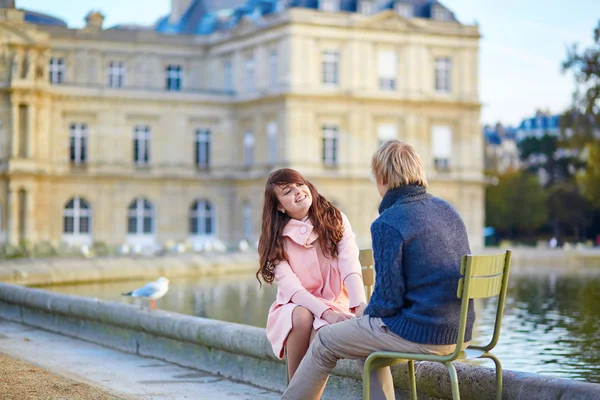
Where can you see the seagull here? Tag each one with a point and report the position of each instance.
(152, 290)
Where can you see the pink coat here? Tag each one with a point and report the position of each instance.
(309, 270)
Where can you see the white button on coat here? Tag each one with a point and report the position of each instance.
(303, 230)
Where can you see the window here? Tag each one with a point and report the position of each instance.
(57, 70)
(250, 74)
(280, 5)
(247, 215)
(328, 5)
(140, 217)
(272, 141)
(174, 75)
(443, 74)
(202, 218)
(77, 216)
(115, 74)
(78, 143)
(386, 132)
(248, 149)
(202, 148)
(330, 144)
(441, 140)
(228, 75)
(440, 14)
(273, 68)
(388, 68)
(330, 68)
(404, 9)
(366, 8)
(141, 145)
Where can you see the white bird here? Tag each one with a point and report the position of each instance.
(152, 290)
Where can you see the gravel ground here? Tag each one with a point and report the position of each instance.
(22, 381)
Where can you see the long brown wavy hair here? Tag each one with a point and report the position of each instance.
(324, 216)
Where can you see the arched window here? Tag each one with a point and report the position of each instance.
(140, 217)
(77, 217)
(202, 218)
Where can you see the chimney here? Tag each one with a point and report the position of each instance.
(178, 8)
(94, 20)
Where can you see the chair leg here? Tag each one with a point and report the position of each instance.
(453, 380)
(498, 374)
(367, 379)
(412, 380)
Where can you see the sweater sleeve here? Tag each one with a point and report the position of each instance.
(349, 265)
(388, 293)
(289, 288)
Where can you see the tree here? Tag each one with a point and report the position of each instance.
(569, 209)
(517, 204)
(590, 180)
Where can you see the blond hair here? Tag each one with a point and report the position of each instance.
(397, 163)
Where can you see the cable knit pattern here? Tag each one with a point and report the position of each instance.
(418, 243)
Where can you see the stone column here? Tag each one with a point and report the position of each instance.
(15, 127)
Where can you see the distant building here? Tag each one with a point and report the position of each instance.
(538, 126)
(147, 135)
(501, 150)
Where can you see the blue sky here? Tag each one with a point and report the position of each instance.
(523, 44)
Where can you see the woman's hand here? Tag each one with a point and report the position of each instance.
(359, 311)
(333, 316)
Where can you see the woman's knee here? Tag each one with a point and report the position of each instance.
(302, 319)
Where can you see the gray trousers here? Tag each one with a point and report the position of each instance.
(354, 339)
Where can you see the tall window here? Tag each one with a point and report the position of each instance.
(115, 73)
(202, 218)
(330, 145)
(202, 148)
(141, 145)
(441, 140)
(140, 217)
(388, 70)
(386, 132)
(78, 143)
(77, 217)
(247, 215)
(273, 68)
(250, 73)
(228, 75)
(443, 74)
(272, 141)
(331, 62)
(174, 75)
(248, 149)
(57, 70)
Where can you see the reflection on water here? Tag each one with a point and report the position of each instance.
(551, 321)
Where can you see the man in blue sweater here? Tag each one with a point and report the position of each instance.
(418, 242)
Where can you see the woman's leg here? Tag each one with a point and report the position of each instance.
(299, 338)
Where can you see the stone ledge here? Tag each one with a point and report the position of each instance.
(243, 353)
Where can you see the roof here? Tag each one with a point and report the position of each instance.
(37, 18)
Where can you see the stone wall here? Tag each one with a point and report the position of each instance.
(242, 352)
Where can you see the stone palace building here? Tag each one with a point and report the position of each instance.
(143, 135)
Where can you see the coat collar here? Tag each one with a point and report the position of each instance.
(402, 194)
(301, 232)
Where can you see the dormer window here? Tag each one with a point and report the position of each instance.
(439, 13)
(366, 7)
(280, 5)
(404, 9)
(328, 5)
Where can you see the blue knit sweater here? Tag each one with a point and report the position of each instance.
(418, 243)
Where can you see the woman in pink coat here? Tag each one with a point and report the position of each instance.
(307, 248)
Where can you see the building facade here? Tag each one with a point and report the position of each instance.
(145, 135)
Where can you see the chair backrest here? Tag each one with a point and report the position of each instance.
(483, 276)
(368, 272)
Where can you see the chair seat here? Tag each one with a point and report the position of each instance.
(387, 358)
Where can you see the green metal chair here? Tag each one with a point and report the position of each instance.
(483, 276)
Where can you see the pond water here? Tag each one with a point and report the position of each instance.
(551, 321)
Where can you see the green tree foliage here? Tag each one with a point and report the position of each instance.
(581, 122)
(517, 204)
(569, 209)
(590, 180)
